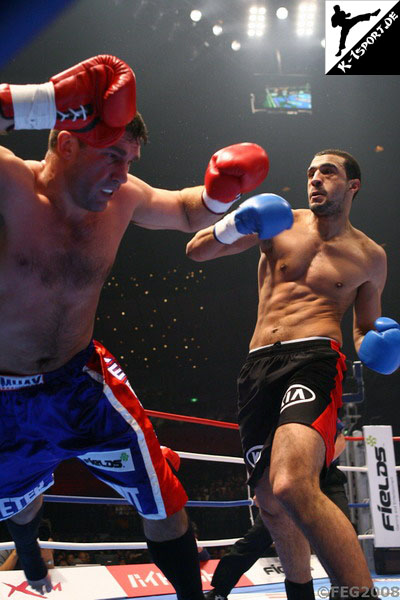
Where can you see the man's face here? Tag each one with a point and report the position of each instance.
(327, 185)
(98, 173)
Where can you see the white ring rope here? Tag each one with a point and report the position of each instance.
(212, 457)
(143, 545)
(240, 461)
(113, 545)
(132, 545)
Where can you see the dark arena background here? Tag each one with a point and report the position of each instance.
(179, 328)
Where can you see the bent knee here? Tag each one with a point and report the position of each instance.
(290, 489)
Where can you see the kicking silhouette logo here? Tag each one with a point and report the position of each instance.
(297, 394)
(352, 28)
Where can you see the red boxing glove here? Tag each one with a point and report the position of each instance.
(94, 99)
(233, 171)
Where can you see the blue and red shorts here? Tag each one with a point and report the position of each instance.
(86, 409)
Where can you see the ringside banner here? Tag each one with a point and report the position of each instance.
(131, 581)
(382, 479)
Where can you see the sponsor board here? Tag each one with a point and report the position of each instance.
(270, 570)
(383, 488)
(131, 581)
(70, 583)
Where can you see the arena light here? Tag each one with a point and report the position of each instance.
(282, 13)
(217, 30)
(196, 15)
(236, 45)
(257, 21)
(306, 19)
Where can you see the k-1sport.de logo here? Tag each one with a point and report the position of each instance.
(361, 37)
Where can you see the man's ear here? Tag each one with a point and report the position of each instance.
(67, 145)
(355, 184)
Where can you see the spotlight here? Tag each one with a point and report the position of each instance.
(217, 30)
(282, 13)
(256, 22)
(306, 19)
(236, 45)
(196, 15)
(323, 43)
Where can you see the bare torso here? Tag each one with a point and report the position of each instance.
(307, 283)
(51, 273)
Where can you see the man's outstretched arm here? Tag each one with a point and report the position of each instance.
(204, 246)
(261, 217)
(232, 171)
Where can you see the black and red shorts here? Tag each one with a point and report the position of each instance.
(288, 382)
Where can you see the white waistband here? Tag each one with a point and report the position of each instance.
(13, 382)
(307, 339)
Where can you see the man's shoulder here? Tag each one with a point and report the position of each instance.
(301, 213)
(370, 245)
(372, 250)
(14, 171)
(9, 160)
(302, 217)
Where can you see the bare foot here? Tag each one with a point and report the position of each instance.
(41, 585)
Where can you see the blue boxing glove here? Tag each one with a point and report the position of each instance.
(264, 214)
(380, 349)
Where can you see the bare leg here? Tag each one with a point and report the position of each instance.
(162, 530)
(298, 454)
(24, 532)
(173, 548)
(292, 547)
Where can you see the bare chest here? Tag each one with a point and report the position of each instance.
(44, 253)
(333, 269)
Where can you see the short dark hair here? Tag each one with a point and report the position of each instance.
(135, 129)
(351, 166)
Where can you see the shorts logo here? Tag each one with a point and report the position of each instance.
(15, 383)
(296, 394)
(117, 460)
(253, 455)
(10, 506)
(115, 370)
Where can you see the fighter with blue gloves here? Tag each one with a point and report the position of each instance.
(313, 266)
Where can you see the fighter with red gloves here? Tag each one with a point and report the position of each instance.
(62, 220)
